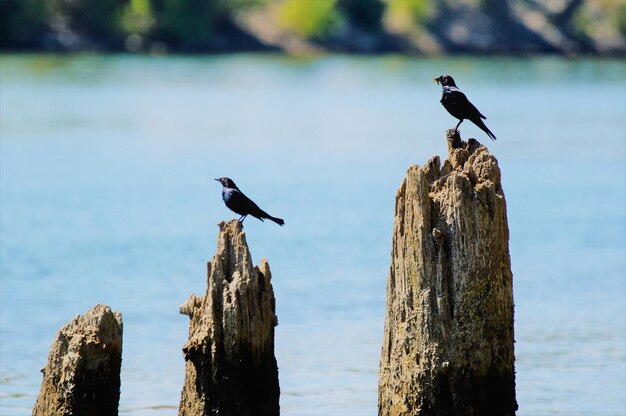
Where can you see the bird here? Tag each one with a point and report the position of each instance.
(457, 104)
(241, 204)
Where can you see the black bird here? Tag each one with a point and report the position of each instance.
(459, 106)
(241, 204)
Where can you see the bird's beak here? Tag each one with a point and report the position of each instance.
(217, 180)
(437, 80)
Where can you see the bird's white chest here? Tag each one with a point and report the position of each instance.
(227, 194)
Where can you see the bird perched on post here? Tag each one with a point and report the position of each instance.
(241, 204)
(459, 106)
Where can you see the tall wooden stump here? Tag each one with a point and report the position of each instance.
(230, 364)
(448, 342)
(82, 376)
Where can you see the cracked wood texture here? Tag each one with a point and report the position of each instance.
(448, 344)
(82, 376)
(231, 369)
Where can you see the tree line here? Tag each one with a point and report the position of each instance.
(350, 25)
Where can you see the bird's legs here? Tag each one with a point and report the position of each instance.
(457, 126)
(243, 217)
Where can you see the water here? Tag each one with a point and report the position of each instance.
(107, 197)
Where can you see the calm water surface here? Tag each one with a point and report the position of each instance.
(106, 196)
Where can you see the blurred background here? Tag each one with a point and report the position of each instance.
(108, 154)
(306, 26)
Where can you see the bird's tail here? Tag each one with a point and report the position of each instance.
(278, 221)
(264, 215)
(484, 128)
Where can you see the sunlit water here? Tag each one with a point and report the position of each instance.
(107, 197)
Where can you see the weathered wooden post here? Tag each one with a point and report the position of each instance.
(448, 344)
(82, 376)
(230, 364)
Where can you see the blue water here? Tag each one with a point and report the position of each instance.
(106, 196)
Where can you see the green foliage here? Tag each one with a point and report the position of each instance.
(309, 18)
(620, 18)
(608, 16)
(23, 23)
(405, 15)
(582, 22)
(192, 21)
(366, 14)
(182, 20)
(99, 19)
(137, 17)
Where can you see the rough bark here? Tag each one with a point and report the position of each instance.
(82, 376)
(448, 340)
(230, 364)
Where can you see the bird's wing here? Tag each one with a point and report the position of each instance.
(239, 199)
(459, 99)
(474, 110)
(455, 97)
(238, 202)
(246, 204)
